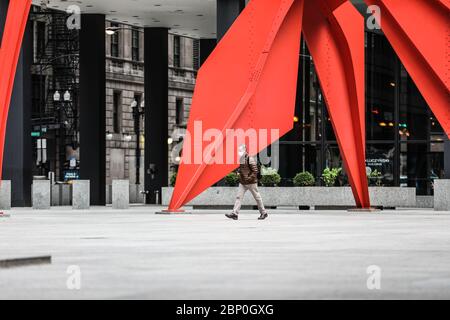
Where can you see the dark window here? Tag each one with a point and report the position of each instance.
(117, 106)
(135, 45)
(176, 51)
(40, 39)
(381, 84)
(196, 54)
(38, 95)
(115, 41)
(180, 111)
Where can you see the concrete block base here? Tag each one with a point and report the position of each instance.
(5, 195)
(389, 197)
(41, 194)
(81, 194)
(442, 195)
(120, 194)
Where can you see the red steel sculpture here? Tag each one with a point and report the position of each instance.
(250, 79)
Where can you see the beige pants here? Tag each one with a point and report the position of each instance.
(253, 188)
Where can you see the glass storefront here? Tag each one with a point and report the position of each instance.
(405, 143)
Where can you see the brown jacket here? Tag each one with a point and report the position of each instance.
(248, 171)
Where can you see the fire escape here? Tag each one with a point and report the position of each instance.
(55, 91)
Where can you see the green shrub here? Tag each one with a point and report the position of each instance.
(269, 177)
(173, 179)
(232, 179)
(375, 178)
(304, 179)
(329, 176)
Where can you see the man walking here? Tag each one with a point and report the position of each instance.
(248, 181)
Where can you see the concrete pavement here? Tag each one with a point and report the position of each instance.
(134, 253)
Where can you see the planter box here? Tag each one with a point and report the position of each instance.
(390, 197)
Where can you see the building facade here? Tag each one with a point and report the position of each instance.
(125, 98)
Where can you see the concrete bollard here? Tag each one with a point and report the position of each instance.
(442, 195)
(5, 195)
(120, 194)
(81, 199)
(41, 194)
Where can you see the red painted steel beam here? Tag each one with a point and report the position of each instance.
(16, 20)
(334, 33)
(248, 82)
(419, 32)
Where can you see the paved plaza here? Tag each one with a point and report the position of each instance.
(133, 254)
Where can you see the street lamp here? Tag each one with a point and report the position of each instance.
(111, 30)
(138, 112)
(56, 96)
(67, 96)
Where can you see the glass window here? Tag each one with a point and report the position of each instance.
(115, 41)
(381, 66)
(415, 117)
(135, 44)
(177, 51)
(420, 165)
(117, 110)
(295, 158)
(179, 111)
(40, 39)
(196, 54)
(333, 160)
(381, 158)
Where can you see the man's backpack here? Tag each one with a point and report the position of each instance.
(258, 165)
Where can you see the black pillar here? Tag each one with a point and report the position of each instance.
(92, 105)
(227, 12)
(447, 157)
(206, 47)
(3, 10)
(17, 156)
(156, 56)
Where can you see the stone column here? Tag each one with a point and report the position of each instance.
(206, 47)
(81, 194)
(41, 194)
(92, 105)
(120, 194)
(17, 160)
(156, 85)
(227, 12)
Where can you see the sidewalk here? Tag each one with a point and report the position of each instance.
(308, 255)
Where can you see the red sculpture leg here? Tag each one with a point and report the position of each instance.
(419, 32)
(335, 36)
(248, 82)
(9, 54)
